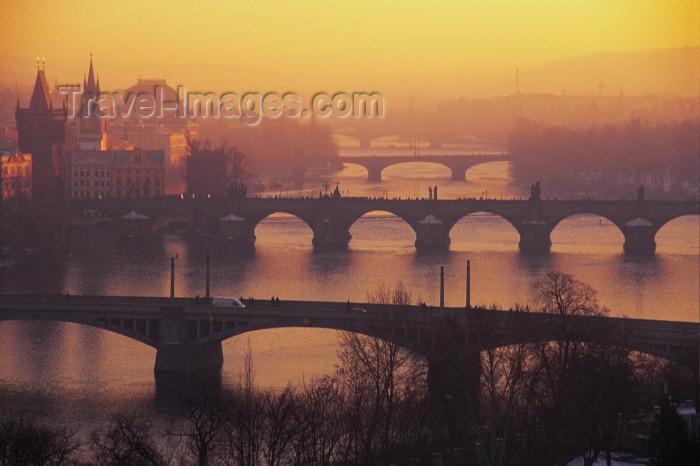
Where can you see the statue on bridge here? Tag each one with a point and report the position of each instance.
(536, 192)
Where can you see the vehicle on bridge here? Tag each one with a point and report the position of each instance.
(223, 301)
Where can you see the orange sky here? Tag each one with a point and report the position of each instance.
(449, 48)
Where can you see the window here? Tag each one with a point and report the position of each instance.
(82, 173)
(119, 181)
(119, 193)
(75, 173)
(157, 182)
(87, 183)
(75, 184)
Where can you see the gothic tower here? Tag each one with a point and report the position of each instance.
(41, 132)
(92, 134)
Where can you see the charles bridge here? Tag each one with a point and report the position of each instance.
(330, 217)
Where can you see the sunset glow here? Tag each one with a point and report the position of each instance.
(449, 49)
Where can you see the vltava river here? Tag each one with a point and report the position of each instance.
(62, 372)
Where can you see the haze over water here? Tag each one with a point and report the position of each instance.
(64, 372)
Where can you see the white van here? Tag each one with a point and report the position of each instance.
(223, 301)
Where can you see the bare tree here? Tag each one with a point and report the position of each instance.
(573, 405)
(215, 170)
(23, 442)
(323, 432)
(201, 424)
(127, 440)
(279, 427)
(376, 374)
(245, 418)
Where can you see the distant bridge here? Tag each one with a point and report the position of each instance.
(330, 219)
(458, 164)
(188, 335)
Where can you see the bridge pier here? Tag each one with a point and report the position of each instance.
(431, 235)
(330, 235)
(173, 352)
(454, 372)
(639, 239)
(534, 237)
(459, 173)
(374, 174)
(238, 230)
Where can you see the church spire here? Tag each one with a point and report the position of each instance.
(41, 96)
(90, 85)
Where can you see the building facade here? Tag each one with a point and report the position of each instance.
(104, 174)
(91, 174)
(138, 173)
(16, 174)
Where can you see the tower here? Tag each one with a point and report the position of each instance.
(41, 132)
(92, 134)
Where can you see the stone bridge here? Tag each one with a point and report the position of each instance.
(458, 164)
(188, 335)
(330, 219)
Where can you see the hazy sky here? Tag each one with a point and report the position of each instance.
(450, 48)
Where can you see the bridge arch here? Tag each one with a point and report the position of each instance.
(598, 230)
(476, 171)
(355, 169)
(395, 225)
(269, 226)
(146, 331)
(421, 169)
(485, 227)
(673, 235)
(88, 217)
(179, 217)
(406, 339)
(669, 353)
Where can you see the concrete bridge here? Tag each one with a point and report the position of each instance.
(458, 164)
(330, 218)
(188, 335)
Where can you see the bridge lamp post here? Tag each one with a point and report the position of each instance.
(442, 288)
(207, 286)
(469, 297)
(172, 277)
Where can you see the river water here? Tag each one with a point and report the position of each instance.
(61, 372)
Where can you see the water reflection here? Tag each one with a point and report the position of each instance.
(63, 370)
